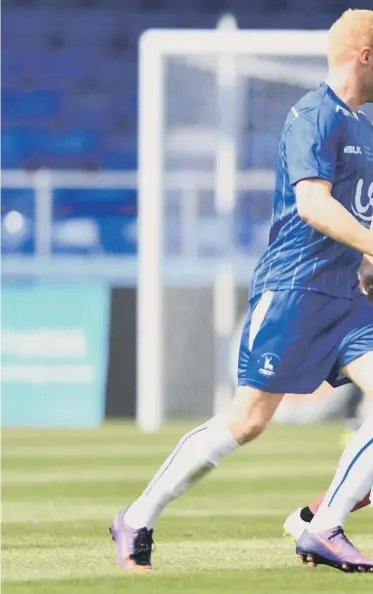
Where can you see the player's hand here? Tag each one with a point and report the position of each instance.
(366, 285)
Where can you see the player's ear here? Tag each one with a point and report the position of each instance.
(366, 55)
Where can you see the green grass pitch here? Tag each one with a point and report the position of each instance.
(60, 489)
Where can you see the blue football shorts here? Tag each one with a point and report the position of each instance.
(294, 340)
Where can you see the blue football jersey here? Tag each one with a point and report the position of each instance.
(321, 138)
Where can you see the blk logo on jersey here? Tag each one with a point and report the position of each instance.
(268, 363)
(352, 150)
(362, 206)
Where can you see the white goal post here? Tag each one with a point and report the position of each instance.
(156, 47)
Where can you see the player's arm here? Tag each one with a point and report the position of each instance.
(319, 209)
(369, 259)
(366, 274)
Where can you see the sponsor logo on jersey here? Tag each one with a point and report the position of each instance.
(268, 362)
(352, 150)
(362, 207)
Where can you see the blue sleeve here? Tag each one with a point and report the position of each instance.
(311, 147)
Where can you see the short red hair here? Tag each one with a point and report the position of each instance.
(351, 32)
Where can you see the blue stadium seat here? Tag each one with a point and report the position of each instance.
(75, 70)
(85, 119)
(28, 27)
(14, 148)
(94, 203)
(62, 161)
(35, 103)
(69, 63)
(18, 199)
(125, 159)
(98, 27)
(13, 62)
(72, 142)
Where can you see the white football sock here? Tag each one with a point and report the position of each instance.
(352, 481)
(196, 454)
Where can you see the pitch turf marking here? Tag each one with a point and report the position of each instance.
(87, 451)
(84, 452)
(96, 560)
(92, 559)
(84, 510)
(131, 473)
(65, 510)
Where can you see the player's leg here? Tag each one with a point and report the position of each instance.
(198, 453)
(275, 338)
(316, 503)
(300, 519)
(324, 540)
(354, 476)
(201, 450)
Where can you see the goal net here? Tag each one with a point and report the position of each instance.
(212, 104)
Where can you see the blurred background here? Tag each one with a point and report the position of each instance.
(69, 225)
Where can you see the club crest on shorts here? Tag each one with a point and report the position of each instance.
(268, 363)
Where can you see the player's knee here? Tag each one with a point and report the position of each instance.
(252, 428)
(251, 411)
(248, 428)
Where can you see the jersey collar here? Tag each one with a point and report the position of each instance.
(338, 99)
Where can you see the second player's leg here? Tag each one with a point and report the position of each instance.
(360, 372)
(324, 539)
(298, 521)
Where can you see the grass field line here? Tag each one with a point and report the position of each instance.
(131, 473)
(28, 510)
(46, 451)
(90, 452)
(127, 432)
(94, 559)
(55, 512)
